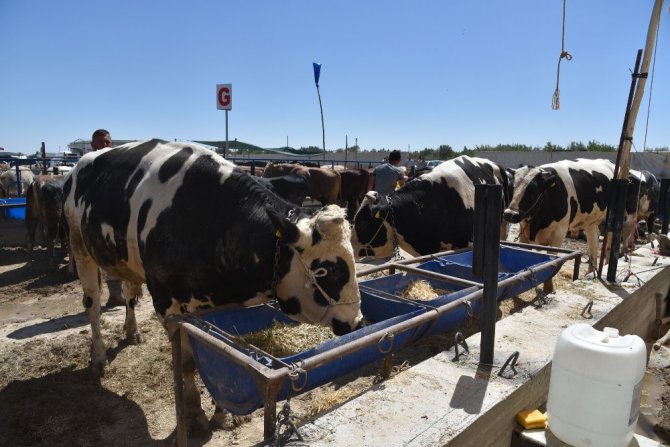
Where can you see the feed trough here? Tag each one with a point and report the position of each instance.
(13, 208)
(242, 378)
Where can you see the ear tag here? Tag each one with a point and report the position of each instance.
(278, 234)
(377, 216)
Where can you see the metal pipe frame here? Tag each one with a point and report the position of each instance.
(270, 381)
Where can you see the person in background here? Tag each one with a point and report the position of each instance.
(101, 139)
(385, 177)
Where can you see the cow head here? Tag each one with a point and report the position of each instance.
(530, 185)
(320, 285)
(373, 227)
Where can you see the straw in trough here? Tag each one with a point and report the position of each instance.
(422, 290)
(281, 340)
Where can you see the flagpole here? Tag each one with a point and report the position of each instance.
(317, 73)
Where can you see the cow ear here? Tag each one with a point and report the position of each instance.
(285, 230)
(548, 181)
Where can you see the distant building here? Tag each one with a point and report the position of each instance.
(80, 146)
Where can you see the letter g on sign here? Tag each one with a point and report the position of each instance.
(224, 96)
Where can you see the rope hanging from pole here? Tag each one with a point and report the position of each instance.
(555, 100)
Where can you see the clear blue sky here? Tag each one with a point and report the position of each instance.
(394, 74)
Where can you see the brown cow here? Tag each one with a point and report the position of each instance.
(323, 185)
(44, 205)
(355, 184)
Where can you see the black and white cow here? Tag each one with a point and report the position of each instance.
(202, 233)
(641, 202)
(430, 213)
(556, 198)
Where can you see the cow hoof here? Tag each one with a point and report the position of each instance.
(198, 424)
(134, 338)
(97, 371)
(225, 420)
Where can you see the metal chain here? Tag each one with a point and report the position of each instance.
(275, 270)
(284, 427)
(396, 248)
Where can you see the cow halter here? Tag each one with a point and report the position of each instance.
(396, 248)
(312, 281)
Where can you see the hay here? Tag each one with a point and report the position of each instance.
(281, 340)
(422, 290)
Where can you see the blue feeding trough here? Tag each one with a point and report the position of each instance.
(234, 389)
(14, 208)
(242, 378)
(512, 262)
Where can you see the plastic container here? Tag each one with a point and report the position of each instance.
(595, 386)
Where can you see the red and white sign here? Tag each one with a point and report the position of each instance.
(224, 96)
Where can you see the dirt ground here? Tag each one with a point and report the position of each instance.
(48, 398)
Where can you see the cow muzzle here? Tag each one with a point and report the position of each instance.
(512, 216)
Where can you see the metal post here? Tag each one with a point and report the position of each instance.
(225, 151)
(43, 152)
(346, 147)
(19, 187)
(323, 128)
(485, 255)
(617, 207)
(663, 205)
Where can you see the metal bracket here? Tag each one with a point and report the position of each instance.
(459, 339)
(284, 422)
(586, 311)
(511, 362)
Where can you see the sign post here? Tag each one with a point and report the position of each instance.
(224, 101)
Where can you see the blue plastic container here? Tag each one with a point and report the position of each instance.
(15, 212)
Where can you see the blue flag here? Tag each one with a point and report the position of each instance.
(317, 72)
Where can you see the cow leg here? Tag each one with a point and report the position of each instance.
(133, 293)
(91, 283)
(592, 234)
(50, 234)
(195, 416)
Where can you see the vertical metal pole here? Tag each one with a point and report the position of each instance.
(663, 205)
(485, 255)
(174, 330)
(225, 151)
(19, 187)
(346, 147)
(43, 152)
(616, 207)
(323, 127)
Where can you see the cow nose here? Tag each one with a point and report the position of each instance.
(511, 216)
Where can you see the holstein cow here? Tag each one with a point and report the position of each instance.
(322, 184)
(44, 205)
(430, 213)
(552, 199)
(641, 203)
(202, 233)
